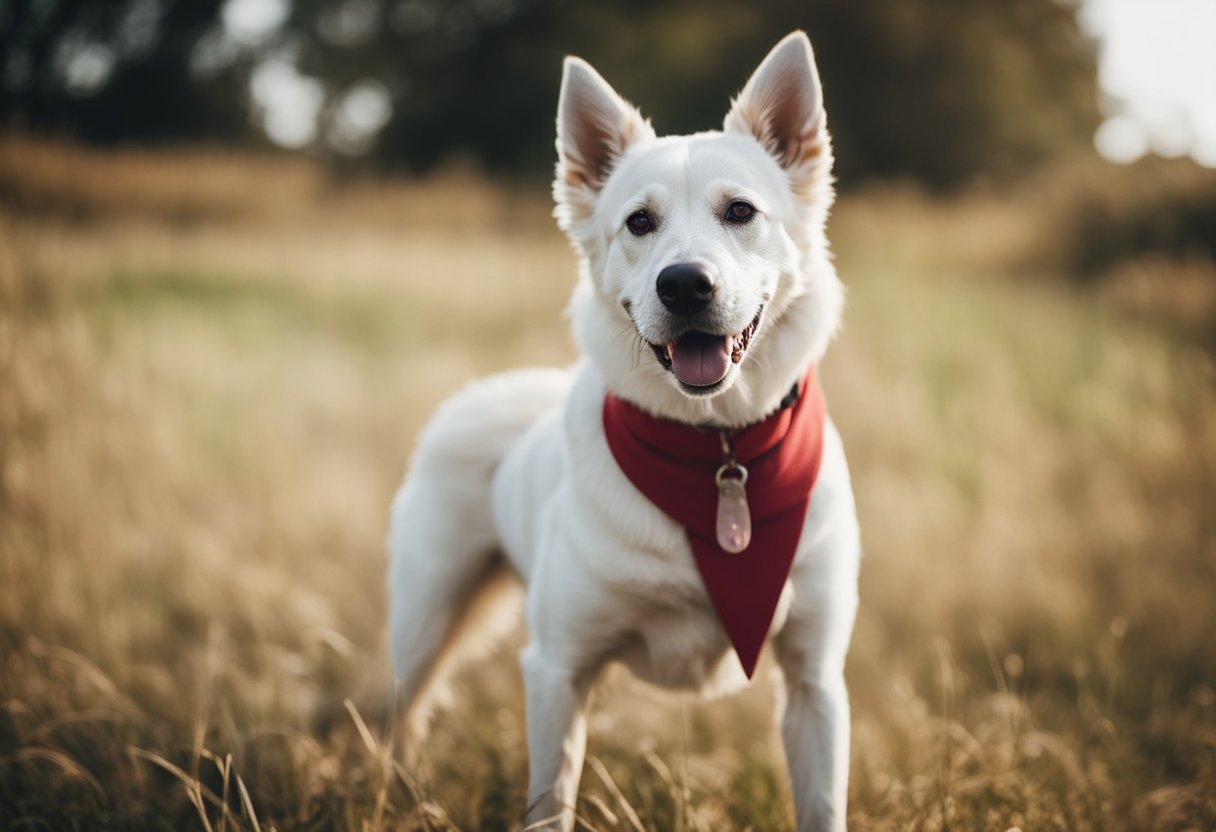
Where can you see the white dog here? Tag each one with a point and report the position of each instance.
(654, 498)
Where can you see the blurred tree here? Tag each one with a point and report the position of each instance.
(939, 92)
(111, 70)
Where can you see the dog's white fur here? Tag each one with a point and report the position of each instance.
(513, 474)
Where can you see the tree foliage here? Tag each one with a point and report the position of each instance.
(942, 92)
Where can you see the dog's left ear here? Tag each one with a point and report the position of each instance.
(782, 106)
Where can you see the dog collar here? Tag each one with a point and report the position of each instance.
(741, 496)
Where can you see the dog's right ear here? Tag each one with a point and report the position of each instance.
(594, 127)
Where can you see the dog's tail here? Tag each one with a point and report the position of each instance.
(452, 593)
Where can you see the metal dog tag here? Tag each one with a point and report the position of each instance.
(734, 525)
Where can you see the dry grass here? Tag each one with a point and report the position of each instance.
(211, 371)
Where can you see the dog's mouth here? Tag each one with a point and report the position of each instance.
(701, 360)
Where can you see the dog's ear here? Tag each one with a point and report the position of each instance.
(594, 127)
(782, 106)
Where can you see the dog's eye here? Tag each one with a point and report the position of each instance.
(740, 211)
(639, 223)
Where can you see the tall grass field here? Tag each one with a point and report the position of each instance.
(212, 371)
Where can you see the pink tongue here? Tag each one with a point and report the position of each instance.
(699, 359)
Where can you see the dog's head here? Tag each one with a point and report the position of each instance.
(707, 286)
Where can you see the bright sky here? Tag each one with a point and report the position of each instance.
(1157, 65)
(251, 20)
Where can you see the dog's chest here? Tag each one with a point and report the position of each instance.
(652, 594)
(611, 577)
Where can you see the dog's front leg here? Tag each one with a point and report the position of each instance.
(815, 729)
(557, 740)
(815, 722)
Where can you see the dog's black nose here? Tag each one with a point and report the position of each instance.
(685, 288)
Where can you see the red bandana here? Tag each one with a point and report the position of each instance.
(674, 465)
